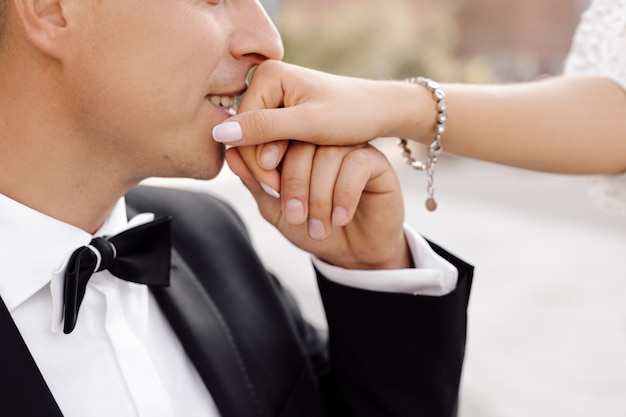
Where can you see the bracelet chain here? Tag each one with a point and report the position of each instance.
(435, 148)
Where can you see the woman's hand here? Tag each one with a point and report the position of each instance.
(285, 101)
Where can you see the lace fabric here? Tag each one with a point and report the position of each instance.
(599, 45)
(599, 48)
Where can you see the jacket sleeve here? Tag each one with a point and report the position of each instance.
(394, 354)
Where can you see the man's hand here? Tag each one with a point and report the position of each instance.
(342, 204)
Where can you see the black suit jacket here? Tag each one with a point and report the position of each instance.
(385, 354)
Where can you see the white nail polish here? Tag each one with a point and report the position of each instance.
(269, 190)
(228, 132)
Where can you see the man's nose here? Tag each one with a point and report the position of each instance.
(255, 35)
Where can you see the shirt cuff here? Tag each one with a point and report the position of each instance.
(433, 275)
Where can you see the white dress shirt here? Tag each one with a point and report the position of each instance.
(123, 358)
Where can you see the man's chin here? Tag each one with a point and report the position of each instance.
(214, 165)
(208, 165)
(211, 172)
(205, 167)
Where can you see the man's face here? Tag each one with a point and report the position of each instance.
(143, 78)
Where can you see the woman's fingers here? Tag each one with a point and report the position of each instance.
(285, 101)
(258, 120)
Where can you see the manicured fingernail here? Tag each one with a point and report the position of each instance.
(269, 190)
(227, 132)
(294, 211)
(316, 229)
(339, 216)
(269, 156)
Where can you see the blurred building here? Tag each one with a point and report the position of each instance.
(519, 38)
(522, 38)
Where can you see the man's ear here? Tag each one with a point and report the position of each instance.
(43, 24)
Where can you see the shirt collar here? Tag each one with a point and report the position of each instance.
(34, 245)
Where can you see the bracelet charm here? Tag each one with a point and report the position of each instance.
(435, 148)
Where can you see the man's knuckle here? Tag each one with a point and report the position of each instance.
(295, 185)
(346, 192)
(358, 157)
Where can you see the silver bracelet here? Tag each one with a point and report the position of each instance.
(435, 148)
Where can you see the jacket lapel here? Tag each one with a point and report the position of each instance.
(208, 341)
(23, 391)
(233, 319)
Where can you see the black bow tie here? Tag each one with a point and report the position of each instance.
(140, 254)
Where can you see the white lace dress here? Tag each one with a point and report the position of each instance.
(599, 48)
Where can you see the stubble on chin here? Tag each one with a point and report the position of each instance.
(200, 166)
(215, 163)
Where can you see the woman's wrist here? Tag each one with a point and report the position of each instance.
(410, 112)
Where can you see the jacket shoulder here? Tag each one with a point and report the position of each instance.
(194, 212)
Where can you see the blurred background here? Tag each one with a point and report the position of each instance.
(547, 330)
(456, 40)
